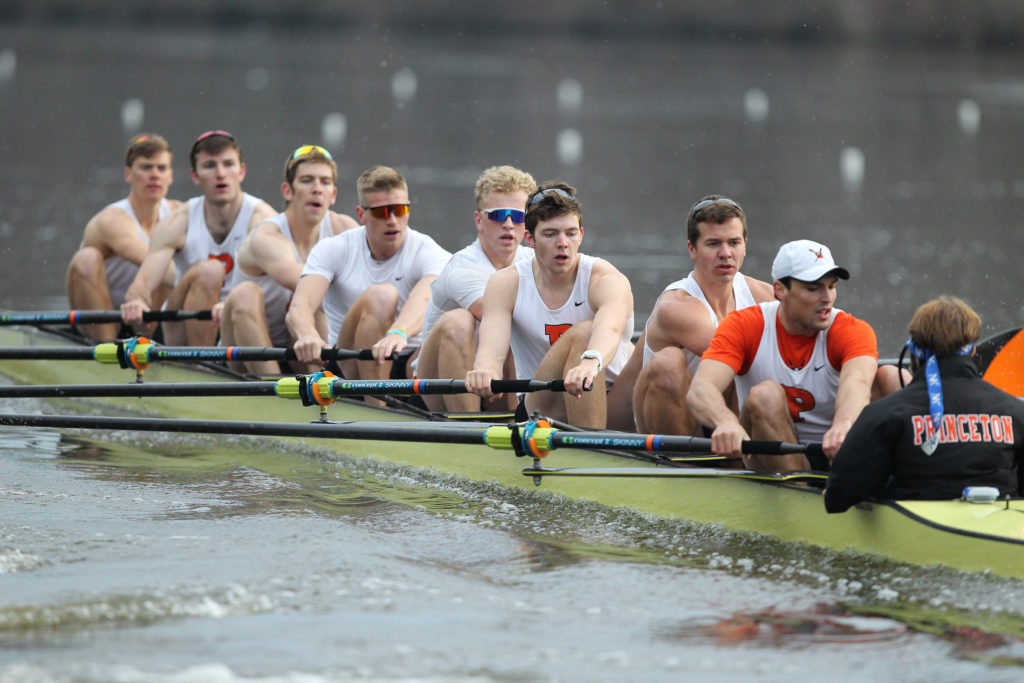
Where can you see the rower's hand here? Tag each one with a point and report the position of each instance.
(834, 438)
(479, 382)
(131, 312)
(727, 439)
(389, 345)
(581, 377)
(216, 312)
(307, 348)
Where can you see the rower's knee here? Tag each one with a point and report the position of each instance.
(455, 327)
(380, 301)
(887, 381)
(766, 400)
(86, 264)
(207, 275)
(245, 300)
(668, 369)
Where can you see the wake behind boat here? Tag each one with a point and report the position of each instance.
(961, 534)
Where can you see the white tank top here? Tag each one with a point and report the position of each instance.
(200, 245)
(120, 271)
(740, 294)
(276, 296)
(816, 383)
(535, 327)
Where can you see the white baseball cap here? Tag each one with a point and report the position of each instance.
(806, 261)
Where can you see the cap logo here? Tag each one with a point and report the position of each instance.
(817, 254)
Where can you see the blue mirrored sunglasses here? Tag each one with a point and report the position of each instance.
(501, 215)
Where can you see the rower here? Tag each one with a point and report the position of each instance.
(202, 238)
(688, 311)
(271, 257)
(450, 329)
(373, 282)
(803, 369)
(948, 429)
(563, 313)
(116, 239)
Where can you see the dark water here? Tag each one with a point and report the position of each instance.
(642, 127)
(174, 560)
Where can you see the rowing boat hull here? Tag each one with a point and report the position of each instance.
(972, 537)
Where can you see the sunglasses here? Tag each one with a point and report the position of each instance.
(705, 203)
(309, 149)
(501, 215)
(551, 190)
(386, 210)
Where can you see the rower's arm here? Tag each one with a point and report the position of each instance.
(706, 401)
(612, 300)
(118, 235)
(267, 252)
(409, 321)
(301, 317)
(410, 318)
(855, 379)
(168, 237)
(495, 331)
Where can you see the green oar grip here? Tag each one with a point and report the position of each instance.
(105, 353)
(498, 436)
(287, 387)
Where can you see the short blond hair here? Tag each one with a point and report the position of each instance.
(505, 179)
(379, 179)
(944, 325)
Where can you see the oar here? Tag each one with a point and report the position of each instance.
(91, 317)
(674, 473)
(310, 388)
(533, 438)
(145, 353)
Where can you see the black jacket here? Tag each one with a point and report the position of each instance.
(982, 444)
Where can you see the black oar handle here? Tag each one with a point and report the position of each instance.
(94, 317)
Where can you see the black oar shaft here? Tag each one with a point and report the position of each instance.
(93, 317)
(661, 442)
(180, 353)
(344, 430)
(140, 390)
(386, 387)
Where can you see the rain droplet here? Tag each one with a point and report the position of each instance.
(257, 78)
(968, 113)
(403, 85)
(133, 113)
(333, 129)
(755, 104)
(8, 64)
(570, 95)
(570, 146)
(851, 168)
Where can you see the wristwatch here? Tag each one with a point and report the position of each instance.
(596, 355)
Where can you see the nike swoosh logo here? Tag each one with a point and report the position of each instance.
(398, 277)
(819, 367)
(577, 303)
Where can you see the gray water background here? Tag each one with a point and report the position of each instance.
(171, 559)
